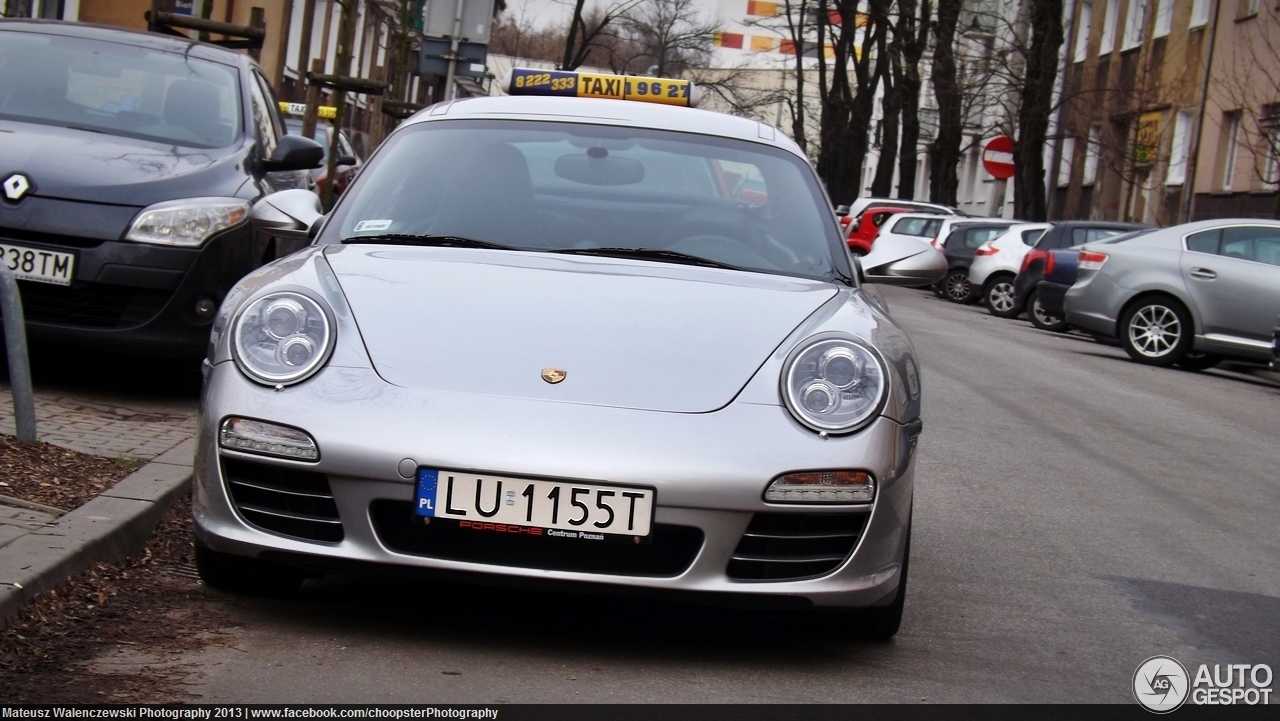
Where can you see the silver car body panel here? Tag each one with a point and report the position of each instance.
(699, 417)
(1233, 304)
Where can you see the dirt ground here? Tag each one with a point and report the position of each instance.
(44, 473)
(114, 632)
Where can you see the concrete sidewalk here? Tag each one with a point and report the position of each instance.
(41, 546)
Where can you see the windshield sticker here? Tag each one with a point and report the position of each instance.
(367, 225)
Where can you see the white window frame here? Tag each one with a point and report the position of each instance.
(1135, 24)
(1068, 157)
(1109, 23)
(1084, 27)
(1271, 169)
(1199, 13)
(1233, 149)
(1250, 8)
(1092, 156)
(1164, 18)
(1176, 174)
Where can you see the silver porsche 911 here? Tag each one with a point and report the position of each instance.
(571, 340)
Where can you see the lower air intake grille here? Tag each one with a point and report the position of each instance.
(670, 551)
(91, 305)
(282, 500)
(786, 546)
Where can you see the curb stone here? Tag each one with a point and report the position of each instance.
(112, 527)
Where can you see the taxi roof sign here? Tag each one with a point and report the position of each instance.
(563, 83)
(327, 112)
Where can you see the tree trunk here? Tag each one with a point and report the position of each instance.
(915, 39)
(944, 151)
(882, 183)
(846, 109)
(1034, 112)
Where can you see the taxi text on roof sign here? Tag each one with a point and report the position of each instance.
(327, 112)
(524, 81)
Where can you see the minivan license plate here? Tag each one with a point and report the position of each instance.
(37, 264)
(556, 509)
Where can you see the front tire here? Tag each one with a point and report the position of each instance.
(1041, 319)
(1000, 298)
(241, 574)
(1156, 331)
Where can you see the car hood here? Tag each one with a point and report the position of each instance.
(70, 164)
(627, 334)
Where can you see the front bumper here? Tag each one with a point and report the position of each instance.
(140, 298)
(709, 470)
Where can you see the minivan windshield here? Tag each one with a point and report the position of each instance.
(118, 89)
(594, 190)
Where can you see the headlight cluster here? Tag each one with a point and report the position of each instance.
(187, 223)
(282, 338)
(834, 385)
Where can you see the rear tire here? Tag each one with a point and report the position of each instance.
(1041, 319)
(957, 288)
(241, 574)
(999, 296)
(1156, 331)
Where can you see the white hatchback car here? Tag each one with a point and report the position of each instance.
(924, 226)
(997, 262)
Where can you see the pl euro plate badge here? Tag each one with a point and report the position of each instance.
(538, 508)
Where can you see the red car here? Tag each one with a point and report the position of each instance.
(864, 228)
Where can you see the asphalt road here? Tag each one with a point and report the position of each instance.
(1076, 513)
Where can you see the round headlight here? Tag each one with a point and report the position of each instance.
(834, 384)
(282, 338)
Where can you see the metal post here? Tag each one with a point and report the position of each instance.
(450, 84)
(15, 340)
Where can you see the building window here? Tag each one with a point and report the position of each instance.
(1164, 18)
(1271, 171)
(1109, 23)
(1082, 32)
(1177, 174)
(1232, 123)
(1135, 24)
(1092, 157)
(1199, 13)
(1246, 9)
(1064, 167)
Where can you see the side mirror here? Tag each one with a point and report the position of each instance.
(842, 210)
(904, 260)
(346, 160)
(294, 152)
(288, 214)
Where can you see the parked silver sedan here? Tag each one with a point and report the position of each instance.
(1189, 295)
(540, 338)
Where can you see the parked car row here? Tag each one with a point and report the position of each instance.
(1189, 296)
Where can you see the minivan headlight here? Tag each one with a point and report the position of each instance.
(187, 223)
(282, 338)
(834, 385)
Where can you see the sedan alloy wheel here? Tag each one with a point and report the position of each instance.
(1156, 332)
(957, 286)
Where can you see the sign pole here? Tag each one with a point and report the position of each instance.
(450, 84)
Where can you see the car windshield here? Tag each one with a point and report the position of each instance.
(562, 187)
(118, 90)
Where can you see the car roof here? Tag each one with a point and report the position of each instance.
(139, 38)
(1099, 224)
(599, 111)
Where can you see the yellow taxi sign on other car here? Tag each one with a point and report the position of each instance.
(328, 112)
(561, 83)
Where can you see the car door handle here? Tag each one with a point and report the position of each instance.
(1203, 274)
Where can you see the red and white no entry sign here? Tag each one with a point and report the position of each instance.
(997, 157)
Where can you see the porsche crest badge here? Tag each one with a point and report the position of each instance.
(553, 375)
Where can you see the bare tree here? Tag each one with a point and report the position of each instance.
(1251, 85)
(1034, 109)
(847, 103)
(668, 38)
(591, 30)
(914, 41)
(944, 151)
(889, 53)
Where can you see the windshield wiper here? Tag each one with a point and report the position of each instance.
(670, 256)
(435, 241)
